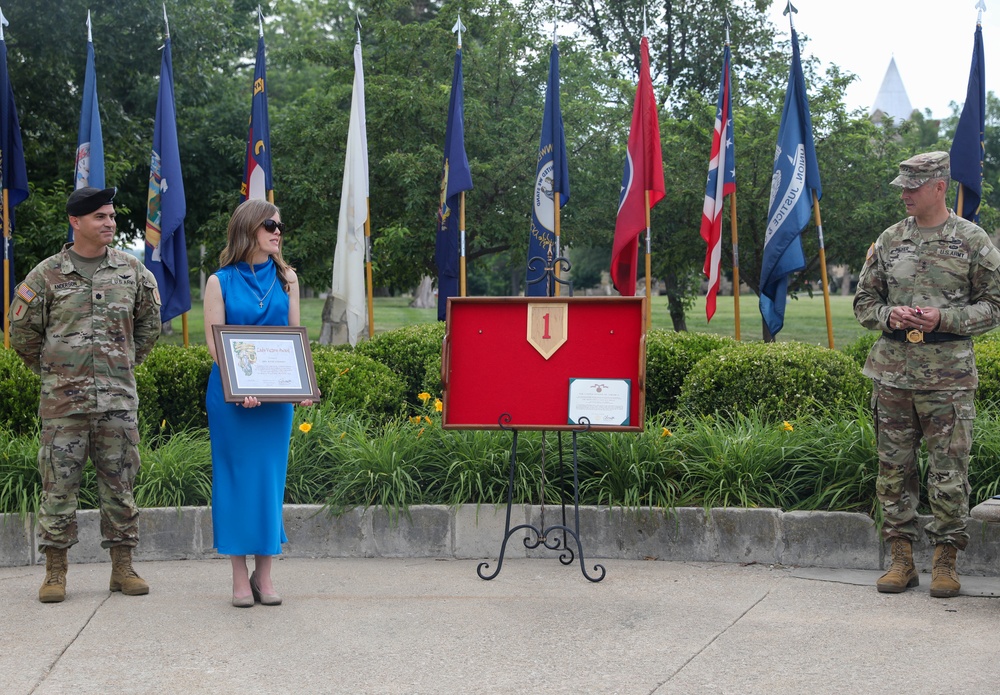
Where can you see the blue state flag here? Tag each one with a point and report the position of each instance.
(455, 178)
(551, 178)
(15, 176)
(795, 179)
(89, 169)
(257, 182)
(166, 250)
(968, 149)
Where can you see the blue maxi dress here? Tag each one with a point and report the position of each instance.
(249, 445)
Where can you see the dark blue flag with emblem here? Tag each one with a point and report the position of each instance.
(551, 179)
(166, 251)
(455, 178)
(89, 168)
(969, 146)
(795, 179)
(15, 177)
(257, 182)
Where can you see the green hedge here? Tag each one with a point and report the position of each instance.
(407, 351)
(670, 355)
(19, 393)
(179, 379)
(779, 380)
(351, 382)
(859, 349)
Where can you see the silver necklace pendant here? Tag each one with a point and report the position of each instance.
(261, 305)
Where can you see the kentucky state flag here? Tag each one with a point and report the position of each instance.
(257, 181)
(455, 178)
(968, 149)
(166, 251)
(551, 178)
(795, 179)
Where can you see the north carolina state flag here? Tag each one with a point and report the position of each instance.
(643, 172)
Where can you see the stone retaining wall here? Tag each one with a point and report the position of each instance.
(766, 536)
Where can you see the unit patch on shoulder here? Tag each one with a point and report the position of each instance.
(25, 293)
(871, 252)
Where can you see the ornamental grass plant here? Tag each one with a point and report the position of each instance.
(825, 460)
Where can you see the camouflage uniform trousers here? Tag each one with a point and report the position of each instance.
(111, 441)
(943, 420)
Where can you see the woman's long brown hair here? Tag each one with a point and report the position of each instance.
(241, 237)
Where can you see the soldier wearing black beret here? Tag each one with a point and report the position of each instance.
(82, 320)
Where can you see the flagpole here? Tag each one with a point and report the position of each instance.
(458, 29)
(556, 213)
(732, 225)
(184, 317)
(649, 265)
(461, 244)
(649, 246)
(6, 269)
(6, 242)
(368, 268)
(822, 268)
(736, 262)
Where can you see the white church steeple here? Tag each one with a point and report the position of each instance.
(891, 101)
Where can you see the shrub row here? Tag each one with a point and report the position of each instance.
(382, 378)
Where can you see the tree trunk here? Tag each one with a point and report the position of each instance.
(334, 328)
(423, 297)
(675, 302)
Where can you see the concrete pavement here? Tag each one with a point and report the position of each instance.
(419, 625)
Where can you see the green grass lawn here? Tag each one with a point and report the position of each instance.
(805, 319)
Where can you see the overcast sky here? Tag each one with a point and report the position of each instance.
(930, 39)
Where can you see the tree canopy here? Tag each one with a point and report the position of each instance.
(408, 50)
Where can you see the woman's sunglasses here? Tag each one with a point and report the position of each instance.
(271, 226)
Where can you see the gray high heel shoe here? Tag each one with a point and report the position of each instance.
(258, 595)
(243, 601)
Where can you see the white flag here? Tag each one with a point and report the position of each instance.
(349, 256)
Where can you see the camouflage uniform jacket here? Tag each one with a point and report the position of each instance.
(957, 271)
(84, 337)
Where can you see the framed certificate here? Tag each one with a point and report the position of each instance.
(602, 402)
(272, 363)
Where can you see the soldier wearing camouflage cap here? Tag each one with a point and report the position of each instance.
(929, 283)
(82, 320)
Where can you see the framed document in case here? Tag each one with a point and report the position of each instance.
(271, 363)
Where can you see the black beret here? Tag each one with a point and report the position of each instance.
(86, 200)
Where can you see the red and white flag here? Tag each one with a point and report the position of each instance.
(721, 182)
(643, 172)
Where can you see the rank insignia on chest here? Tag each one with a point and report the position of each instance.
(25, 293)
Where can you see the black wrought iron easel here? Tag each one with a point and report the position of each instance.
(543, 535)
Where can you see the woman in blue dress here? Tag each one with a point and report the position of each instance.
(254, 286)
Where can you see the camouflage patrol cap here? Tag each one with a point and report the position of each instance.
(86, 200)
(921, 168)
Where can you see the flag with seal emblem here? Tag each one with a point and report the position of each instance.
(166, 207)
(794, 181)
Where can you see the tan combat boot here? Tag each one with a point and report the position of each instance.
(944, 576)
(902, 574)
(53, 589)
(123, 577)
